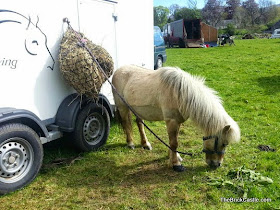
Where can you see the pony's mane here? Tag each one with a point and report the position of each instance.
(197, 101)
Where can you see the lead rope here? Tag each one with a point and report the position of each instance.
(83, 44)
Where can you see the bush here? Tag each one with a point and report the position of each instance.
(230, 29)
(241, 31)
(258, 28)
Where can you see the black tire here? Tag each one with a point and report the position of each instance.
(21, 156)
(159, 63)
(182, 43)
(92, 128)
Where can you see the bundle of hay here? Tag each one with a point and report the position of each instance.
(78, 67)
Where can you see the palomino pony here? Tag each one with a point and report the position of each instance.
(173, 95)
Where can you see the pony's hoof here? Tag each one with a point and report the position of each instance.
(131, 146)
(147, 147)
(179, 168)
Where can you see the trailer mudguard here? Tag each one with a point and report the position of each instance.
(70, 107)
(13, 115)
(105, 102)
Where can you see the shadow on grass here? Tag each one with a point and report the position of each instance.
(114, 146)
(270, 84)
(62, 147)
(101, 169)
(105, 173)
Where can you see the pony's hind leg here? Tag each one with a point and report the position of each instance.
(173, 131)
(125, 116)
(144, 140)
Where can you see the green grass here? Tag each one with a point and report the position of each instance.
(247, 78)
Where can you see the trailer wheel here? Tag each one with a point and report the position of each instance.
(168, 44)
(159, 63)
(182, 43)
(92, 128)
(21, 156)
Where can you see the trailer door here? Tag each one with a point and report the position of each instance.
(97, 22)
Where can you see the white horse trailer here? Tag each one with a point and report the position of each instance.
(36, 104)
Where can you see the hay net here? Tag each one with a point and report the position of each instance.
(78, 67)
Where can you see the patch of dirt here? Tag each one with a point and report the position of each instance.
(61, 161)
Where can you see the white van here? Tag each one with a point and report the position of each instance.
(276, 34)
(36, 104)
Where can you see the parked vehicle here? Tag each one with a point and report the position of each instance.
(276, 34)
(37, 105)
(159, 48)
(190, 33)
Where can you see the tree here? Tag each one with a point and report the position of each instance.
(252, 10)
(268, 11)
(276, 14)
(187, 13)
(192, 4)
(240, 18)
(196, 13)
(173, 8)
(230, 29)
(160, 16)
(212, 13)
(232, 5)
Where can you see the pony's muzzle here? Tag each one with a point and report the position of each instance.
(214, 164)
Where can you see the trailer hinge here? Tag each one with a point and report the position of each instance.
(115, 17)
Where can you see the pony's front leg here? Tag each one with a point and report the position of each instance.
(173, 131)
(144, 140)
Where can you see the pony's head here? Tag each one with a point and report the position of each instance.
(215, 146)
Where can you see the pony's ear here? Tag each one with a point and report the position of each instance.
(226, 129)
(231, 133)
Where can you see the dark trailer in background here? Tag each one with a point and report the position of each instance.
(190, 33)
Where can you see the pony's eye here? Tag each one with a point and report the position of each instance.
(224, 145)
(35, 42)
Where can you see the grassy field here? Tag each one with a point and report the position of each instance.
(247, 77)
